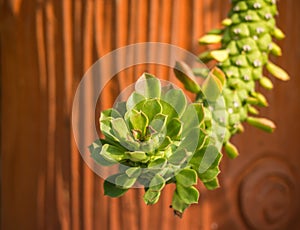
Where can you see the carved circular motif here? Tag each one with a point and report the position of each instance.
(267, 194)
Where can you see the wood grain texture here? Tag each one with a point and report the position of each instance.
(46, 46)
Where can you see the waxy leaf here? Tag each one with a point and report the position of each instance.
(178, 157)
(174, 128)
(209, 174)
(158, 163)
(152, 107)
(277, 72)
(133, 172)
(151, 197)
(176, 99)
(110, 188)
(190, 119)
(210, 39)
(178, 205)
(137, 156)
(134, 99)
(112, 153)
(95, 150)
(219, 55)
(158, 124)
(120, 129)
(157, 183)
(213, 184)
(212, 88)
(138, 121)
(186, 177)
(121, 108)
(210, 154)
(219, 74)
(261, 123)
(188, 195)
(266, 83)
(186, 76)
(278, 34)
(124, 181)
(148, 86)
(231, 150)
(275, 49)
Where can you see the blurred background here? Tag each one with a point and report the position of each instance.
(46, 47)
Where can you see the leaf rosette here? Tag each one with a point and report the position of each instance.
(156, 137)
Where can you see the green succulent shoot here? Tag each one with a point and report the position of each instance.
(246, 43)
(155, 138)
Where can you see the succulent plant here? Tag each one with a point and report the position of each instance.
(246, 42)
(155, 138)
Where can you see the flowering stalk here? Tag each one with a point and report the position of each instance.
(246, 42)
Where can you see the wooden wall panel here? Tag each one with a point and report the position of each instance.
(46, 47)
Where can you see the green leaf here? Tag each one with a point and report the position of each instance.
(278, 34)
(112, 153)
(219, 55)
(158, 163)
(240, 30)
(166, 143)
(262, 101)
(178, 205)
(266, 83)
(219, 74)
(227, 22)
(168, 110)
(188, 195)
(186, 76)
(133, 100)
(110, 113)
(95, 150)
(252, 110)
(174, 128)
(277, 72)
(212, 87)
(176, 99)
(210, 154)
(178, 157)
(199, 110)
(121, 108)
(210, 39)
(190, 119)
(158, 123)
(105, 123)
(205, 57)
(138, 121)
(213, 184)
(275, 49)
(120, 129)
(231, 150)
(186, 177)
(133, 172)
(152, 107)
(209, 175)
(261, 123)
(124, 181)
(149, 86)
(151, 197)
(201, 72)
(157, 183)
(110, 188)
(190, 141)
(264, 41)
(137, 156)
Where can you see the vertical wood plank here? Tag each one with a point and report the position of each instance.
(45, 48)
